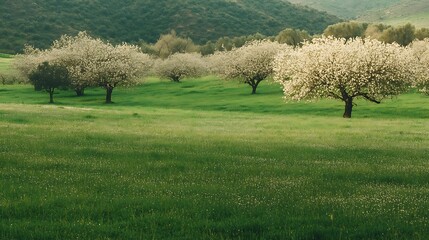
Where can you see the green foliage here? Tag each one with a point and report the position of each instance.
(403, 35)
(39, 22)
(48, 77)
(169, 44)
(292, 37)
(346, 30)
(228, 43)
(422, 33)
(203, 160)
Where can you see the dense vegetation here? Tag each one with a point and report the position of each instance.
(39, 22)
(204, 159)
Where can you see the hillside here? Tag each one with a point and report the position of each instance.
(38, 22)
(347, 9)
(395, 12)
(411, 11)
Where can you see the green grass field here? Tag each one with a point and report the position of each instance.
(8, 74)
(204, 159)
(5, 61)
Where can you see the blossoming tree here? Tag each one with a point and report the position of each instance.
(251, 63)
(344, 70)
(421, 52)
(28, 62)
(179, 66)
(119, 65)
(78, 53)
(90, 62)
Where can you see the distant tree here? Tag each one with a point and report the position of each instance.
(208, 48)
(251, 63)
(375, 31)
(228, 43)
(118, 65)
(346, 30)
(292, 37)
(402, 35)
(77, 53)
(169, 44)
(420, 49)
(49, 77)
(345, 70)
(147, 48)
(422, 33)
(90, 62)
(224, 44)
(74, 53)
(179, 66)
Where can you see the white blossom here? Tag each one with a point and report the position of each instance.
(345, 70)
(420, 49)
(250, 63)
(90, 61)
(180, 65)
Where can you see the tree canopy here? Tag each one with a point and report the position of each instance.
(345, 70)
(48, 77)
(89, 62)
(251, 63)
(420, 50)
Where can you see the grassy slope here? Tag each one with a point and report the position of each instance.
(347, 9)
(394, 12)
(5, 65)
(5, 62)
(415, 12)
(205, 159)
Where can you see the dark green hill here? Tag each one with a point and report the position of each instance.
(39, 22)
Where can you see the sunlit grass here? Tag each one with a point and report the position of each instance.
(206, 159)
(5, 63)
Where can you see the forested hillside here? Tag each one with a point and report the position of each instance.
(39, 22)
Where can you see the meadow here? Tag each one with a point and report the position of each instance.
(5, 62)
(205, 159)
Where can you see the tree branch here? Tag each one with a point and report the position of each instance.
(334, 95)
(369, 98)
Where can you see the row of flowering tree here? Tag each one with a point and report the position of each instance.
(343, 69)
(89, 62)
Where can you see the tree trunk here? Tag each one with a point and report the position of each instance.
(79, 91)
(348, 107)
(254, 88)
(176, 79)
(254, 84)
(109, 90)
(51, 96)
